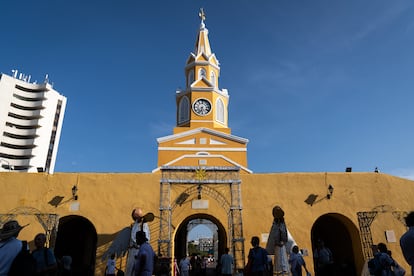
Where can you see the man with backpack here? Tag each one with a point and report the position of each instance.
(257, 259)
(46, 264)
(12, 249)
(382, 262)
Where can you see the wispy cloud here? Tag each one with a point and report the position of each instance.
(390, 14)
(404, 173)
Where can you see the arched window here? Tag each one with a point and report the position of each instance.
(183, 110)
(213, 78)
(220, 111)
(190, 78)
(202, 73)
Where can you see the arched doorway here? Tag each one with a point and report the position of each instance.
(180, 238)
(181, 185)
(77, 238)
(341, 236)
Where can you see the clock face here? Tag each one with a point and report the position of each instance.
(202, 107)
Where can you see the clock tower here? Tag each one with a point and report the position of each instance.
(202, 103)
(202, 136)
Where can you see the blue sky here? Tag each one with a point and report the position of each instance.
(316, 86)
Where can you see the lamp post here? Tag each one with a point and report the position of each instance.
(330, 191)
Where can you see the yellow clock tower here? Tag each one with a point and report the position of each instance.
(202, 136)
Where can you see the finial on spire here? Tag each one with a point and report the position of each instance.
(202, 16)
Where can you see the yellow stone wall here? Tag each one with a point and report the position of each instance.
(106, 200)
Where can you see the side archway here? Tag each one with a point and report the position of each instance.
(77, 238)
(341, 236)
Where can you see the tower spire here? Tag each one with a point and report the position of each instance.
(202, 44)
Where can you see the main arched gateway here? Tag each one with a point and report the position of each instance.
(212, 193)
(180, 237)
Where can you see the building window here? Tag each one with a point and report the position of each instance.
(202, 73)
(213, 78)
(183, 110)
(190, 78)
(220, 111)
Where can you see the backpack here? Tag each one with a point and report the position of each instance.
(24, 263)
(44, 252)
(374, 265)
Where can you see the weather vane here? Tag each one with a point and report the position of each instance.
(202, 15)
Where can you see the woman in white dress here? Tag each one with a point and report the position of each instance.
(276, 243)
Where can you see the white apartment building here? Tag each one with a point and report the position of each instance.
(31, 118)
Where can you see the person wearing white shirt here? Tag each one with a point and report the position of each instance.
(139, 225)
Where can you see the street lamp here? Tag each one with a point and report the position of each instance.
(75, 192)
(330, 191)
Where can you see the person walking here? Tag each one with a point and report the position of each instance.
(144, 262)
(296, 262)
(10, 246)
(45, 259)
(323, 259)
(407, 241)
(184, 266)
(226, 263)
(111, 266)
(383, 262)
(257, 258)
(176, 268)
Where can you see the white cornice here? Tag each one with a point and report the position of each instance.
(204, 157)
(200, 149)
(204, 62)
(206, 130)
(201, 121)
(223, 92)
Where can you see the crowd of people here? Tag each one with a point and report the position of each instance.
(191, 266)
(17, 259)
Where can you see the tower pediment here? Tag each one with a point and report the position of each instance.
(202, 83)
(202, 57)
(219, 136)
(202, 147)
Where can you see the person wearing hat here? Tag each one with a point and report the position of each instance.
(144, 261)
(276, 243)
(10, 246)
